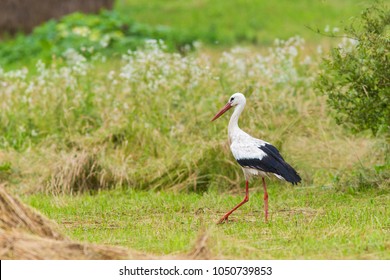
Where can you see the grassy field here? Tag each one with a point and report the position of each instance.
(122, 151)
(306, 222)
(251, 21)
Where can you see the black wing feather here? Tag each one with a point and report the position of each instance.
(273, 162)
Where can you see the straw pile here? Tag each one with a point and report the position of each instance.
(21, 245)
(15, 216)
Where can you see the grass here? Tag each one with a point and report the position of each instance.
(306, 222)
(260, 22)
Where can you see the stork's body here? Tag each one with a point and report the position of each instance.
(256, 157)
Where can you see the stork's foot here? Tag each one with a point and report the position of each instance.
(223, 220)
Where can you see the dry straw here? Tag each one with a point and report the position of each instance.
(79, 171)
(15, 216)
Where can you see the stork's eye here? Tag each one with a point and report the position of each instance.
(231, 99)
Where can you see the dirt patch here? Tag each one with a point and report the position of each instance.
(307, 212)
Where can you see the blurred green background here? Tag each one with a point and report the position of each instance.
(250, 21)
(217, 24)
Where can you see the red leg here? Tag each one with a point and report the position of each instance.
(245, 200)
(265, 200)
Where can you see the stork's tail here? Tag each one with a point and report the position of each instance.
(289, 174)
(279, 166)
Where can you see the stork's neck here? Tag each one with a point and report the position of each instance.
(233, 127)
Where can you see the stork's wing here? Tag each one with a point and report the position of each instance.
(263, 156)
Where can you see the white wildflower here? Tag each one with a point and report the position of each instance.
(31, 87)
(111, 75)
(347, 44)
(307, 60)
(82, 31)
(327, 28)
(292, 50)
(197, 45)
(76, 61)
(104, 42)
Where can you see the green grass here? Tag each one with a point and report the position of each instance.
(306, 222)
(251, 21)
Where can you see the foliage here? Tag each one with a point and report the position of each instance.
(356, 76)
(107, 33)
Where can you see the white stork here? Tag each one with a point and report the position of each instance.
(255, 156)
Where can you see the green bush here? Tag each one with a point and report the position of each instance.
(356, 76)
(107, 33)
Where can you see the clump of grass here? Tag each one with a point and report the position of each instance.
(5, 170)
(79, 171)
(204, 170)
(363, 177)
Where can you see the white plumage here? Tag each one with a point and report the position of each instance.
(256, 157)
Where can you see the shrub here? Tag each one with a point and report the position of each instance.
(107, 33)
(356, 76)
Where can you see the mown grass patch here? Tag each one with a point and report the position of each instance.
(306, 222)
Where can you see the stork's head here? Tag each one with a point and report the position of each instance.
(234, 100)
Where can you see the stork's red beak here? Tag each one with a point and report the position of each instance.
(223, 110)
